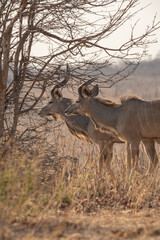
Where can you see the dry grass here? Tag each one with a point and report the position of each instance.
(38, 191)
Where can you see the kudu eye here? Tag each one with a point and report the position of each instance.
(78, 101)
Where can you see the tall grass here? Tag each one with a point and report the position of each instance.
(34, 184)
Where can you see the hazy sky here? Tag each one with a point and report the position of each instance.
(145, 18)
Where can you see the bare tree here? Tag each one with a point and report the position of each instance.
(74, 31)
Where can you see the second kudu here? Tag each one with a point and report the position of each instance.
(83, 128)
(133, 120)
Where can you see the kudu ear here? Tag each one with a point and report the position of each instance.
(95, 91)
(86, 93)
(57, 94)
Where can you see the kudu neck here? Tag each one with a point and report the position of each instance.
(106, 115)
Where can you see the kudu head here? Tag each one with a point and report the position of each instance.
(85, 96)
(57, 104)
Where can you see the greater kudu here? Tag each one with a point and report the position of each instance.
(81, 126)
(133, 120)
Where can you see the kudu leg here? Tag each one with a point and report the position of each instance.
(101, 159)
(129, 156)
(135, 154)
(152, 154)
(106, 155)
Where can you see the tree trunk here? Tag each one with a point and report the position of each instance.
(4, 67)
(2, 104)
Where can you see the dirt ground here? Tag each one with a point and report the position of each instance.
(105, 224)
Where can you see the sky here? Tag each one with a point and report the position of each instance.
(145, 18)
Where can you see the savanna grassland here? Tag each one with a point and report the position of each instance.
(50, 189)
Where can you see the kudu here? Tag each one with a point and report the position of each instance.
(133, 120)
(81, 126)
